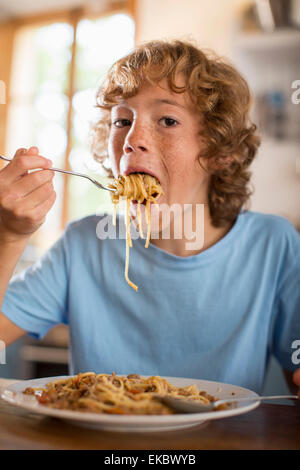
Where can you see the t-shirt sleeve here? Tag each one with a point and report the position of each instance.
(286, 332)
(36, 299)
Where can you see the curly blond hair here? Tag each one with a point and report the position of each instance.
(219, 93)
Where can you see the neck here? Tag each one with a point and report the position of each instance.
(197, 234)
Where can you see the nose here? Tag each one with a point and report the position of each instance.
(136, 139)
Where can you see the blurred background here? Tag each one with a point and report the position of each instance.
(54, 53)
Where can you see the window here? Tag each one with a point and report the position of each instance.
(56, 69)
(99, 44)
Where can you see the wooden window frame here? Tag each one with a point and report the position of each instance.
(71, 17)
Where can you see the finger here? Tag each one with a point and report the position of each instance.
(30, 182)
(20, 206)
(21, 163)
(20, 151)
(37, 197)
(24, 151)
(296, 377)
(30, 151)
(38, 213)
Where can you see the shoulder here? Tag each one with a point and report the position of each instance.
(95, 228)
(86, 225)
(84, 229)
(270, 225)
(273, 232)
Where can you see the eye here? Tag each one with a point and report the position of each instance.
(168, 122)
(121, 123)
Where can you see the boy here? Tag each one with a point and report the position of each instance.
(217, 312)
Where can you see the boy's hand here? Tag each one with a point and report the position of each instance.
(25, 198)
(296, 379)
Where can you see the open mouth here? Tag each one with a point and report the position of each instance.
(153, 195)
(141, 173)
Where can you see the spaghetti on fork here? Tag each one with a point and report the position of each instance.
(143, 189)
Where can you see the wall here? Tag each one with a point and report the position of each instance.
(208, 23)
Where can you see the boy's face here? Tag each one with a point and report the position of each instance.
(157, 132)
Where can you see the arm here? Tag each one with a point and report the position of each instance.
(9, 332)
(24, 201)
(9, 255)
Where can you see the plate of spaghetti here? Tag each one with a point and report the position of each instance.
(127, 403)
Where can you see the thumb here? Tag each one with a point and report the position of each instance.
(296, 377)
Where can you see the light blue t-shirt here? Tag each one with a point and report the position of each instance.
(217, 315)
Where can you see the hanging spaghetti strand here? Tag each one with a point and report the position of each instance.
(144, 189)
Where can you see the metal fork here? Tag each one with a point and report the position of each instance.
(99, 185)
(189, 406)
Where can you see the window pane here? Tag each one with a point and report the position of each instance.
(54, 56)
(39, 104)
(99, 43)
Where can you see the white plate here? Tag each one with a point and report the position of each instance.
(131, 423)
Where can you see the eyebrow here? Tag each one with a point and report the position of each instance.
(171, 102)
(158, 101)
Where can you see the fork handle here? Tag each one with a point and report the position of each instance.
(68, 172)
(7, 159)
(53, 169)
(99, 185)
(77, 174)
(258, 398)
